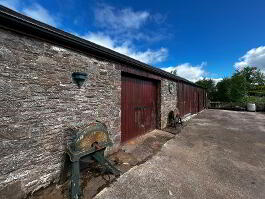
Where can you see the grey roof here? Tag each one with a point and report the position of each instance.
(25, 25)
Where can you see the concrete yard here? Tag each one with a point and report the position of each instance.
(219, 154)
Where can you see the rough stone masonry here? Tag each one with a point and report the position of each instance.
(41, 108)
(168, 100)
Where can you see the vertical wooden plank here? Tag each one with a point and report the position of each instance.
(138, 106)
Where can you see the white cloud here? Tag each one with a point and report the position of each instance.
(37, 12)
(12, 4)
(216, 80)
(100, 39)
(114, 18)
(149, 56)
(187, 71)
(128, 24)
(121, 27)
(254, 57)
(34, 11)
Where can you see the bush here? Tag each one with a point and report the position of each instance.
(258, 90)
(253, 99)
(256, 93)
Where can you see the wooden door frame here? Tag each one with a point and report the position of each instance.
(157, 82)
(158, 104)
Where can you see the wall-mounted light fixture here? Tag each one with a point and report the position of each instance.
(79, 78)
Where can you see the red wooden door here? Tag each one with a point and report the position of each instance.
(138, 106)
(186, 99)
(180, 95)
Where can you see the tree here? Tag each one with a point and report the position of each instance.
(209, 85)
(258, 91)
(174, 72)
(255, 80)
(232, 89)
(248, 81)
(224, 90)
(253, 76)
(238, 87)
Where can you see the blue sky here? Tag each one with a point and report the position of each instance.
(199, 39)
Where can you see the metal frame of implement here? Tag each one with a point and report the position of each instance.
(90, 143)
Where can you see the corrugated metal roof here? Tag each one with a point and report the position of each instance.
(20, 23)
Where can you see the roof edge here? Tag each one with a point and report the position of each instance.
(26, 25)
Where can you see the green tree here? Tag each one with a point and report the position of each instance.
(255, 80)
(224, 90)
(248, 81)
(232, 89)
(174, 72)
(209, 85)
(238, 87)
(253, 76)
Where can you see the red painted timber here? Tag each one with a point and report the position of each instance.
(190, 99)
(138, 106)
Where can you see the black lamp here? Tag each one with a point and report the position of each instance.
(79, 78)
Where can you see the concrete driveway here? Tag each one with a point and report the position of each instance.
(219, 154)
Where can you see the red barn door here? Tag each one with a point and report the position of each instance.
(138, 106)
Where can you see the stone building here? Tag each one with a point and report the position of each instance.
(41, 106)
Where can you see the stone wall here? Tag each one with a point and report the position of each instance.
(168, 100)
(41, 107)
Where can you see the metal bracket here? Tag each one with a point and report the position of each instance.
(75, 174)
